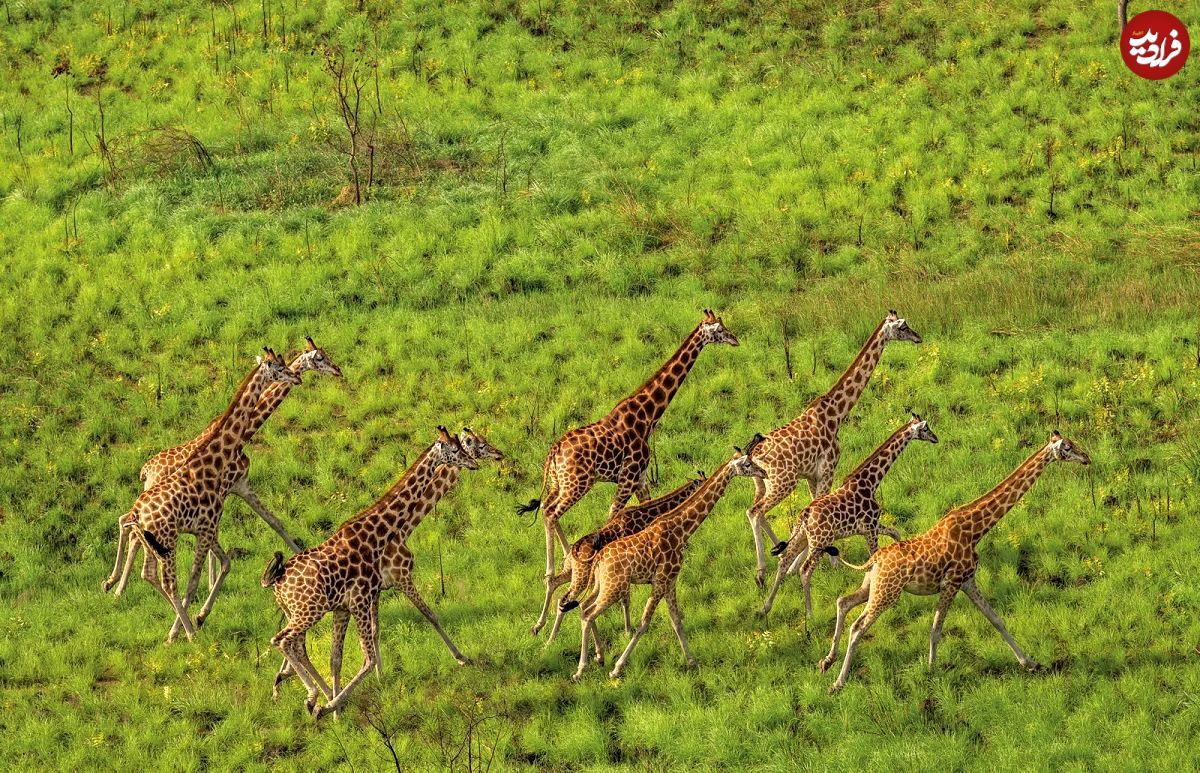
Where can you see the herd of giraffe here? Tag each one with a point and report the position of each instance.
(184, 490)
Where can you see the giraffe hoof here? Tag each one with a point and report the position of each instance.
(824, 665)
(463, 660)
(1034, 667)
(761, 613)
(106, 585)
(690, 664)
(614, 674)
(760, 581)
(833, 689)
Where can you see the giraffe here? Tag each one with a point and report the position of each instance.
(189, 501)
(577, 565)
(807, 447)
(653, 557)
(169, 461)
(616, 449)
(942, 561)
(345, 575)
(850, 509)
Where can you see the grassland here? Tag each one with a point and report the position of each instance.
(557, 190)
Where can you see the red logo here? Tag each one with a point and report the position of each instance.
(1155, 44)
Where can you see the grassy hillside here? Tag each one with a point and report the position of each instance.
(550, 194)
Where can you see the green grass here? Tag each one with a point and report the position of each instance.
(560, 188)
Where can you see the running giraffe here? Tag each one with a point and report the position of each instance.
(942, 561)
(344, 575)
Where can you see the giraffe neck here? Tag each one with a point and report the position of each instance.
(444, 479)
(986, 511)
(870, 472)
(225, 439)
(271, 399)
(843, 396)
(663, 385)
(696, 507)
(393, 508)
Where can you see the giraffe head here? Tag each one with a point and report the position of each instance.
(315, 358)
(1065, 451)
(447, 450)
(743, 464)
(895, 328)
(477, 446)
(275, 369)
(919, 429)
(713, 330)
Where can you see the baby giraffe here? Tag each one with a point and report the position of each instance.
(577, 568)
(344, 574)
(654, 557)
(942, 561)
(850, 509)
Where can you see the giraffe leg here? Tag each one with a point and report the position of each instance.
(796, 547)
(844, 605)
(551, 512)
(806, 571)
(212, 594)
(290, 642)
(409, 589)
(366, 619)
(945, 599)
(122, 544)
(131, 552)
(193, 584)
(973, 593)
(162, 579)
(285, 670)
(629, 482)
(553, 582)
(596, 643)
(581, 575)
(876, 605)
(642, 492)
(595, 606)
(677, 624)
(243, 490)
(625, 611)
(341, 620)
(772, 495)
(651, 604)
(893, 533)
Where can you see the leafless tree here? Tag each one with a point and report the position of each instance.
(347, 89)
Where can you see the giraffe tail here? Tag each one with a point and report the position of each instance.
(160, 550)
(533, 506)
(274, 571)
(779, 548)
(831, 550)
(536, 504)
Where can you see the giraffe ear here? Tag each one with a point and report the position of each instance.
(1055, 436)
(311, 346)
